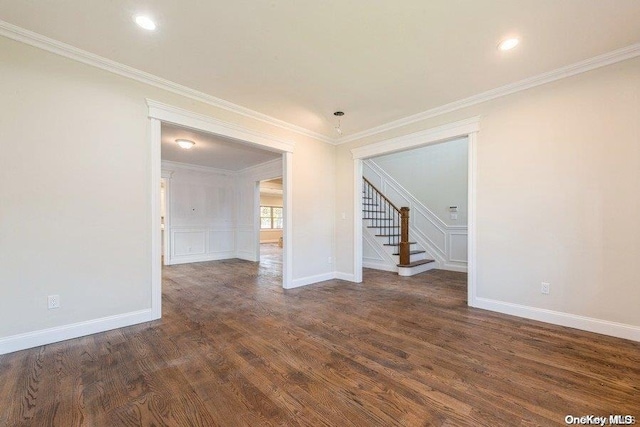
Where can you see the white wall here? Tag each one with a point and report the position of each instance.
(558, 179)
(201, 207)
(435, 175)
(75, 214)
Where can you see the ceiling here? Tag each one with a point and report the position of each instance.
(299, 61)
(210, 150)
(271, 187)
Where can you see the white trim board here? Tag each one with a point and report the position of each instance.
(344, 276)
(461, 128)
(50, 45)
(584, 323)
(187, 259)
(309, 280)
(180, 116)
(74, 330)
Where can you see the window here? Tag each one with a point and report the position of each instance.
(270, 217)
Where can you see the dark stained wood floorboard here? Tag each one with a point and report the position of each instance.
(235, 349)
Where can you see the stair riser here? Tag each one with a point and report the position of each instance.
(412, 271)
(391, 250)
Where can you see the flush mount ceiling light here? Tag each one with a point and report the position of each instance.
(145, 22)
(508, 44)
(185, 143)
(338, 114)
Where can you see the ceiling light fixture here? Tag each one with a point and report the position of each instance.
(338, 114)
(508, 44)
(185, 143)
(145, 22)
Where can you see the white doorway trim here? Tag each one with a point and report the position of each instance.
(166, 176)
(158, 113)
(464, 128)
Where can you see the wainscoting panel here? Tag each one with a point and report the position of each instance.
(458, 246)
(191, 242)
(221, 241)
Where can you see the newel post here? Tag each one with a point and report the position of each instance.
(404, 236)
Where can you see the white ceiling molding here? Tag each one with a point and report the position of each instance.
(257, 169)
(182, 117)
(541, 79)
(169, 167)
(42, 42)
(37, 40)
(449, 131)
(270, 191)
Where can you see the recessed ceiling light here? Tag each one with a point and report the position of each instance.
(185, 143)
(145, 22)
(508, 44)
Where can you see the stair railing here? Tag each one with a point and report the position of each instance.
(384, 215)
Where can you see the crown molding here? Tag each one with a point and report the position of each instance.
(609, 58)
(260, 166)
(170, 167)
(42, 42)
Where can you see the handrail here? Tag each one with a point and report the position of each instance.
(392, 223)
(382, 195)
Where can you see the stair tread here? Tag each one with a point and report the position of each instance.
(383, 226)
(413, 252)
(387, 235)
(416, 263)
(380, 219)
(364, 210)
(398, 244)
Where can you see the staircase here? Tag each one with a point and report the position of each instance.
(391, 229)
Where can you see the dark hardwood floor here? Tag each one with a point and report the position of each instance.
(234, 349)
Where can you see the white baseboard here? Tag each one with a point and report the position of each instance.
(584, 323)
(245, 255)
(380, 266)
(61, 333)
(309, 280)
(349, 277)
(454, 267)
(201, 258)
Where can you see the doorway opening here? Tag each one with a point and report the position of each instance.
(271, 215)
(431, 181)
(210, 191)
(468, 129)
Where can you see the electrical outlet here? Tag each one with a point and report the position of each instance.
(545, 288)
(53, 301)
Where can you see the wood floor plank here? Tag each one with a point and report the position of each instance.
(235, 349)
